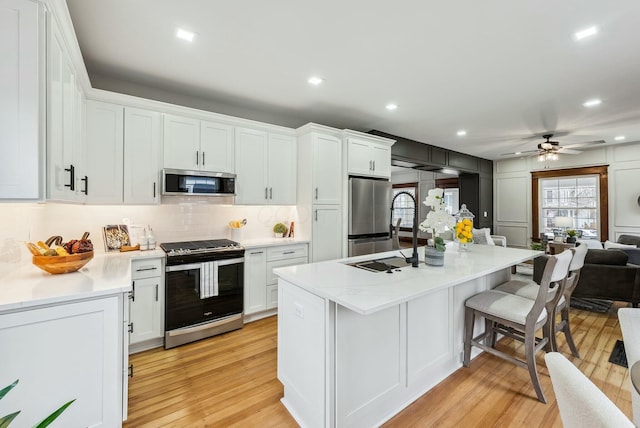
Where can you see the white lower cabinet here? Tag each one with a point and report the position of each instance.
(147, 302)
(71, 351)
(260, 283)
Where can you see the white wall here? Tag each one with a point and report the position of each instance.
(512, 190)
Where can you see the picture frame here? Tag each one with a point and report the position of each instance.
(115, 236)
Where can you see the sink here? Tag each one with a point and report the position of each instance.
(387, 264)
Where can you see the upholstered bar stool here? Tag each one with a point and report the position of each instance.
(529, 289)
(517, 317)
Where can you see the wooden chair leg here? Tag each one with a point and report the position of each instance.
(530, 353)
(490, 335)
(566, 328)
(469, 319)
(549, 331)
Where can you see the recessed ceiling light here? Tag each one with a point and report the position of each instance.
(587, 32)
(461, 133)
(315, 81)
(620, 138)
(518, 153)
(592, 103)
(185, 35)
(391, 106)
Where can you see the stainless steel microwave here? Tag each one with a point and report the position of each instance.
(198, 183)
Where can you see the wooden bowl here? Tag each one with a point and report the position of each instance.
(62, 264)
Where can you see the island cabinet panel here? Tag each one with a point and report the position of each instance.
(370, 363)
(62, 353)
(303, 354)
(428, 346)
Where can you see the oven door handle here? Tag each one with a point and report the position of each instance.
(230, 261)
(178, 268)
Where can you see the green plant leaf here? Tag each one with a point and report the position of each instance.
(4, 391)
(6, 420)
(53, 416)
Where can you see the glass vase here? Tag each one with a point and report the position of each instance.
(463, 232)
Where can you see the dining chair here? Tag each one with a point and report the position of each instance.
(630, 325)
(529, 289)
(517, 317)
(581, 403)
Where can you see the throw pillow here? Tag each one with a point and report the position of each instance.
(482, 236)
(609, 244)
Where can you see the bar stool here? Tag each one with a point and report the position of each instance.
(517, 317)
(529, 289)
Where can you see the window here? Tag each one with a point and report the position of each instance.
(573, 198)
(403, 205)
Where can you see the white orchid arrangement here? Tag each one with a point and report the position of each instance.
(438, 220)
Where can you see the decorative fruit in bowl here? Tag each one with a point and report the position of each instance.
(55, 257)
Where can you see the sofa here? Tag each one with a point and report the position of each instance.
(606, 274)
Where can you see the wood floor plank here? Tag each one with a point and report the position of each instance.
(231, 381)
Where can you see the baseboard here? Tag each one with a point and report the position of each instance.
(146, 345)
(259, 315)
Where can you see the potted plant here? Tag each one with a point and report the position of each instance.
(279, 229)
(437, 221)
(537, 246)
(571, 236)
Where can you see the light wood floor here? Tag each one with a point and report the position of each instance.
(230, 380)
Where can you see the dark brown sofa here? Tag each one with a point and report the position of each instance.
(606, 274)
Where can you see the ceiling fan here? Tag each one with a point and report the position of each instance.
(549, 150)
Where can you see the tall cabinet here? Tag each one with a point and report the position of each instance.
(21, 147)
(65, 118)
(320, 182)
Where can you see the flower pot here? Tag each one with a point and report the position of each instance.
(278, 235)
(433, 257)
(571, 239)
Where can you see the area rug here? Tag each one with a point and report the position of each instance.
(618, 355)
(593, 305)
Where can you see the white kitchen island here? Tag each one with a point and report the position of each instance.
(356, 347)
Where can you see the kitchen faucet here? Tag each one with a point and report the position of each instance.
(414, 256)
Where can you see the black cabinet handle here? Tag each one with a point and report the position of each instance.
(156, 292)
(130, 370)
(86, 185)
(72, 177)
(266, 193)
(133, 292)
(270, 192)
(197, 158)
(202, 158)
(130, 330)
(154, 189)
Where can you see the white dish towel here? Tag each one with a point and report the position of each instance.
(207, 278)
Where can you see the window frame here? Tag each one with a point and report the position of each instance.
(414, 185)
(603, 182)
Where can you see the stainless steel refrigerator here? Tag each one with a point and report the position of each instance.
(369, 216)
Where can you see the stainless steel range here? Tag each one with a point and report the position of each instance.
(204, 283)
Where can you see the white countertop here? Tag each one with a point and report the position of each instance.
(366, 292)
(107, 273)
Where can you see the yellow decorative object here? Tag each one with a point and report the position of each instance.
(464, 227)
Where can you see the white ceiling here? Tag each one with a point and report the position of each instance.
(501, 70)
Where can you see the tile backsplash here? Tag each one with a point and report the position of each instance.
(178, 221)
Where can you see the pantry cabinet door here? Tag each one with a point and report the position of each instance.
(141, 160)
(104, 157)
(21, 153)
(327, 170)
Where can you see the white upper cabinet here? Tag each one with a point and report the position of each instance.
(368, 158)
(326, 170)
(21, 150)
(65, 120)
(216, 147)
(141, 156)
(104, 156)
(282, 169)
(265, 168)
(196, 145)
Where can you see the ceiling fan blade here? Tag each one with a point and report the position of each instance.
(566, 151)
(518, 153)
(586, 143)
